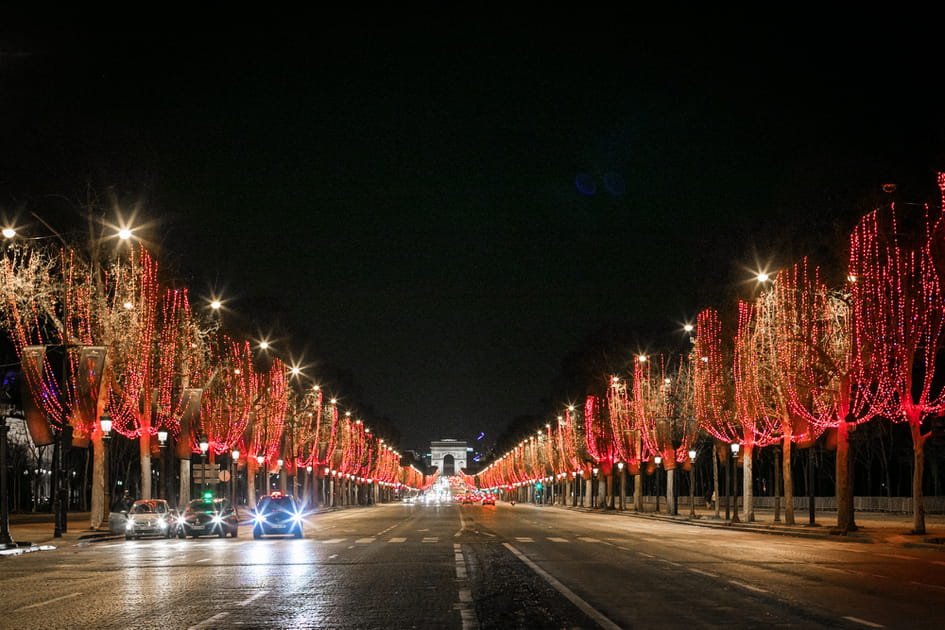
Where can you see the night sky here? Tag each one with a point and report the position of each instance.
(445, 215)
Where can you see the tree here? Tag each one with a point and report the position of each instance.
(898, 302)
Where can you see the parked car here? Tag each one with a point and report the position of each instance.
(278, 513)
(488, 499)
(208, 516)
(149, 517)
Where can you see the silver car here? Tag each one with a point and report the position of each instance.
(149, 517)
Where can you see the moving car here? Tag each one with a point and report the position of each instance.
(149, 517)
(208, 516)
(488, 499)
(278, 513)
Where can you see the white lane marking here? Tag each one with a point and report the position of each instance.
(586, 608)
(203, 560)
(748, 586)
(646, 555)
(462, 524)
(701, 572)
(936, 586)
(397, 540)
(558, 540)
(364, 541)
(208, 622)
(252, 597)
(332, 541)
(585, 539)
(48, 601)
(864, 622)
(430, 539)
(467, 611)
(333, 556)
(897, 556)
(523, 539)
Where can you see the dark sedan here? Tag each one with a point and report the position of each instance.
(278, 513)
(208, 517)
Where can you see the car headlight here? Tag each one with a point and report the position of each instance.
(162, 524)
(297, 518)
(259, 519)
(217, 519)
(129, 524)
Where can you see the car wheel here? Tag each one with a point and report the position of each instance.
(298, 533)
(234, 532)
(257, 534)
(128, 536)
(180, 534)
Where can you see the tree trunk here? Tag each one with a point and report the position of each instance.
(610, 491)
(748, 484)
(845, 518)
(98, 518)
(144, 452)
(670, 491)
(184, 482)
(638, 491)
(786, 446)
(777, 485)
(715, 482)
(918, 470)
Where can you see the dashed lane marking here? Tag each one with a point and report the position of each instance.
(48, 601)
(557, 540)
(397, 540)
(864, 622)
(209, 622)
(252, 597)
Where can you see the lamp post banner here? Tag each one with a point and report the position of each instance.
(88, 383)
(31, 363)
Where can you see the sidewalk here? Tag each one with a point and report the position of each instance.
(36, 532)
(873, 527)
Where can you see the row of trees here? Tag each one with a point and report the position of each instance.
(809, 358)
(99, 334)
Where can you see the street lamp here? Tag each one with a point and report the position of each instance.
(204, 447)
(734, 485)
(162, 442)
(658, 460)
(234, 461)
(6, 540)
(106, 423)
(623, 486)
(692, 483)
(259, 461)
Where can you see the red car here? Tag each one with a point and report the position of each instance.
(488, 499)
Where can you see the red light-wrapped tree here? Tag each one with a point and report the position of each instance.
(898, 303)
(626, 435)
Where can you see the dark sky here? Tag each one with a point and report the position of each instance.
(447, 213)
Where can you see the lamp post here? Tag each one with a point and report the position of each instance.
(106, 424)
(692, 483)
(162, 441)
(234, 462)
(658, 460)
(259, 466)
(594, 488)
(734, 484)
(623, 486)
(6, 540)
(279, 464)
(204, 447)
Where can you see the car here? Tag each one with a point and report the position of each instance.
(280, 514)
(208, 516)
(149, 517)
(488, 499)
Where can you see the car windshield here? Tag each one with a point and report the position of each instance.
(141, 508)
(199, 505)
(277, 503)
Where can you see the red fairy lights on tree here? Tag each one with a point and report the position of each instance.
(898, 306)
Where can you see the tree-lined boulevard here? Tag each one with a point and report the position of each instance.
(455, 566)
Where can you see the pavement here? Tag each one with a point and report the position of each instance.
(36, 532)
(872, 527)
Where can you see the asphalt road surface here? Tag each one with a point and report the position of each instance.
(471, 566)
